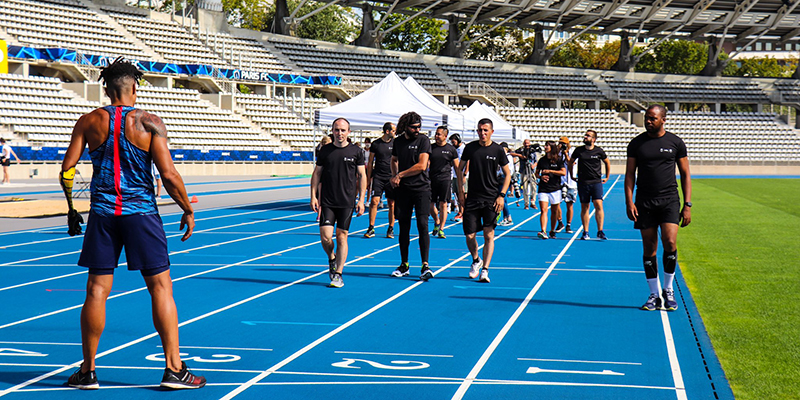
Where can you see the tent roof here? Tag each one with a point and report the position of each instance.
(503, 131)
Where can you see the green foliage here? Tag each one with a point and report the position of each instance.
(745, 279)
(674, 57)
(503, 44)
(758, 68)
(333, 24)
(583, 52)
(420, 35)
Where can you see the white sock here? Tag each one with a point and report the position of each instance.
(668, 278)
(653, 283)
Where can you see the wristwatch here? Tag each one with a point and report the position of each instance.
(688, 204)
(504, 195)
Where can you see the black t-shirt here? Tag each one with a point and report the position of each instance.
(339, 174)
(656, 159)
(383, 158)
(407, 152)
(483, 184)
(441, 161)
(589, 164)
(554, 182)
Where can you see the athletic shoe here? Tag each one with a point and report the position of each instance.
(475, 268)
(441, 235)
(653, 303)
(568, 230)
(390, 232)
(542, 235)
(401, 271)
(560, 226)
(435, 231)
(485, 275)
(585, 236)
(601, 235)
(83, 381)
(552, 234)
(426, 273)
(457, 217)
(669, 299)
(526, 207)
(370, 233)
(182, 380)
(331, 268)
(337, 281)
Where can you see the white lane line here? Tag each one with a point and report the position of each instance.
(580, 361)
(44, 343)
(391, 354)
(154, 334)
(347, 324)
(220, 348)
(677, 376)
(462, 389)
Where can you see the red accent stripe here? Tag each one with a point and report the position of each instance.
(117, 169)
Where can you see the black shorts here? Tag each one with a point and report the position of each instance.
(654, 212)
(440, 191)
(381, 185)
(6, 162)
(338, 217)
(478, 216)
(589, 192)
(142, 236)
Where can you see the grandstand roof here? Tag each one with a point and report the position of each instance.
(740, 20)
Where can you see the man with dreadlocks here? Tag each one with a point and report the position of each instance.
(410, 176)
(123, 141)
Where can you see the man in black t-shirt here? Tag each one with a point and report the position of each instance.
(410, 156)
(485, 195)
(340, 170)
(444, 157)
(654, 156)
(590, 181)
(379, 171)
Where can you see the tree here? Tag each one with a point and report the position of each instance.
(674, 57)
(248, 14)
(420, 35)
(334, 24)
(758, 68)
(506, 44)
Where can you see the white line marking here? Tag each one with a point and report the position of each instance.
(580, 361)
(677, 376)
(347, 324)
(462, 389)
(537, 370)
(44, 343)
(390, 354)
(220, 348)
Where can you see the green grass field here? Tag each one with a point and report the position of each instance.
(741, 260)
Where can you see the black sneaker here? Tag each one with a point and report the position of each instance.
(182, 380)
(401, 271)
(553, 234)
(390, 232)
(370, 233)
(425, 273)
(331, 268)
(568, 230)
(560, 226)
(83, 381)
(601, 235)
(653, 303)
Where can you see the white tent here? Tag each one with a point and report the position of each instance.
(503, 131)
(455, 120)
(385, 102)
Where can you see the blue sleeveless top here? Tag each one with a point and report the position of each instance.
(122, 181)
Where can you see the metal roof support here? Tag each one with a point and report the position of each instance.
(295, 21)
(785, 10)
(385, 16)
(471, 22)
(420, 12)
(698, 9)
(497, 25)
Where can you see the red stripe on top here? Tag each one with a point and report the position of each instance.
(117, 169)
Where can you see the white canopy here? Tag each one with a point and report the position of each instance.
(386, 102)
(503, 131)
(455, 120)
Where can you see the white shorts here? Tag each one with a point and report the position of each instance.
(552, 197)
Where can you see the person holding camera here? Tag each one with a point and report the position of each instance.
(527, 161)
(569, 188)
(590, 181)
(549, 171)
(652, 158)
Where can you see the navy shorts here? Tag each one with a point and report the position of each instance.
(142, 236)
(589, 192)
(380, 186)
(339, 217)
(440, 191)
(654, 212)
(478, 216)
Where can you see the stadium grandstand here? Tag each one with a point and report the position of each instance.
(231, 95)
